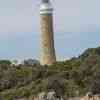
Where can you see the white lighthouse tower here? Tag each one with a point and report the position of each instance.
(48, 56)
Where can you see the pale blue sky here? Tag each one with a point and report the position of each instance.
(76, 26)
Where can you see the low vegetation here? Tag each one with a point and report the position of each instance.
(74, 77)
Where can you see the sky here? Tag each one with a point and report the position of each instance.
(76, 28)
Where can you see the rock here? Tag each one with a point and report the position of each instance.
(91, 97)
(42, 96)
(51, 95)
(96, 97)
(48, 96)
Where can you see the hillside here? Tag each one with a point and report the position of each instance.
(74, 77)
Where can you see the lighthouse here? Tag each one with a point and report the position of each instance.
(48, 56)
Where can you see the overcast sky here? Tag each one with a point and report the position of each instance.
(76, 26)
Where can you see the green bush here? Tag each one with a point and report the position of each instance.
(73, 77)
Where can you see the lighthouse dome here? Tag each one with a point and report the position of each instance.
(46, 7)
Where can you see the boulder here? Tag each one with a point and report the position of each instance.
(51, 95)
(42, 96)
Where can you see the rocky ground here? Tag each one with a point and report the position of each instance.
(52, 96)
